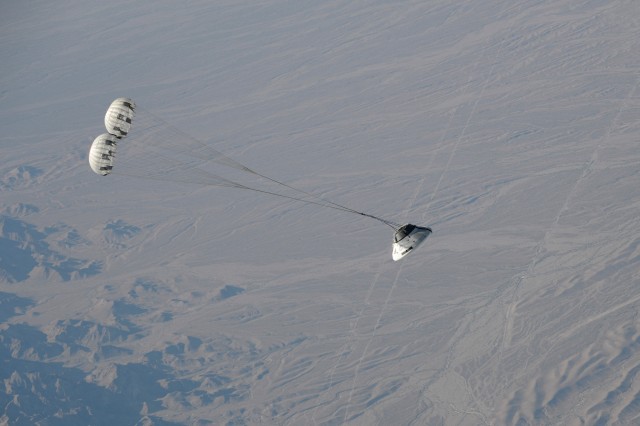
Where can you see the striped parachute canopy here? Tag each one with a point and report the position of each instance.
(119, 117)
(102, 153)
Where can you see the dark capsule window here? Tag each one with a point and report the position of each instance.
(404, 231)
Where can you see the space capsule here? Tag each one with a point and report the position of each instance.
(407, 238)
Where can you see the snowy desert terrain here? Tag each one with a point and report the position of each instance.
(510, 127)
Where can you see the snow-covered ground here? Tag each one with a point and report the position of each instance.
(510, 127)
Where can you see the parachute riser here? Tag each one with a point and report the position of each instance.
(393, 225)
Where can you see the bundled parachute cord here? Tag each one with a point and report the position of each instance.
(206, 152)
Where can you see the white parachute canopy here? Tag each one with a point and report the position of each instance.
(119, 117)
(102, 153)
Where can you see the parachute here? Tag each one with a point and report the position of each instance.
(119, 117)
(162, 152)
(118, 121)
(102, 153)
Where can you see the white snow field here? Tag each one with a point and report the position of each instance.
(509, 127)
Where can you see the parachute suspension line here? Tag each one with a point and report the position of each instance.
(230, 184)
(223, 159)
(183, 164)
(170, 169)
(198, 177)
(215, 155)
(180, 171)
(393, 225)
